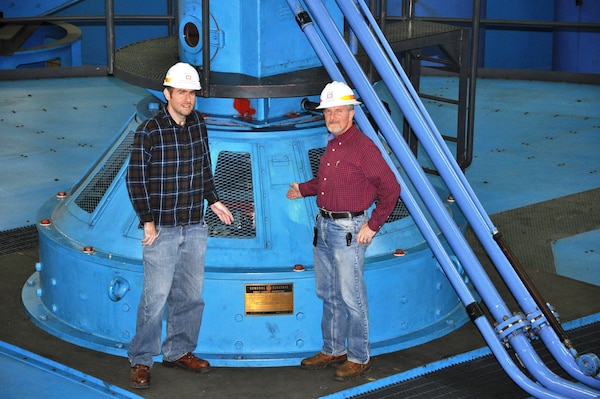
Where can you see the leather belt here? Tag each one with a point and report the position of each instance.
(339, 215)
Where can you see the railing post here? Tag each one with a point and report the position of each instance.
(110, 36)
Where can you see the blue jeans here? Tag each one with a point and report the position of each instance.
(340, 285)
(173, 279)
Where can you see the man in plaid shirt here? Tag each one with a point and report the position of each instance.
(168, 178)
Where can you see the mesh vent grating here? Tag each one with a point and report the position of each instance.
(399, 211)
(314, 157)
(233, 179)
(92, 194)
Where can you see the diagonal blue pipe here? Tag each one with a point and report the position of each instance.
(437, 248)
(587, 365)
(512, 280)
(473, 212)
(432, 239)
(433, 142)
(335, 40)
(439, 140)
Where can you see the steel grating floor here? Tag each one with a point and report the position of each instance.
(481, 377)
(16, 240)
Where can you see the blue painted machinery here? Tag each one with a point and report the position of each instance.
(261, 309)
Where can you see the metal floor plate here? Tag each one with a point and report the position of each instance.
(27, 375)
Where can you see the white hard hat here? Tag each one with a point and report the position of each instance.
(336, 94)
(182, 76)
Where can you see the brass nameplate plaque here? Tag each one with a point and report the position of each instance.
(269, 299)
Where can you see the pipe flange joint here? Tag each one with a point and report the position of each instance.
(589, 364)
(514, 325)
(537, 319)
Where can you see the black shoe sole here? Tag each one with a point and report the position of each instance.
(140, 386)
(334, 363)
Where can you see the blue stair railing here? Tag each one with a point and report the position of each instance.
(512, 329)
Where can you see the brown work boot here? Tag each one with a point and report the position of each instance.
(350, 370)
(140, 376)
(189, 362)
(320, 361)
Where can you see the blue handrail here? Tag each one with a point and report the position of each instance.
(437, 247)
(428, 194)
(433, 142)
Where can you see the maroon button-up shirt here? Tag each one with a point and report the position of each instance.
(352, 174)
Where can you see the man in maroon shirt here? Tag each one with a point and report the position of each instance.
(352, 174)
